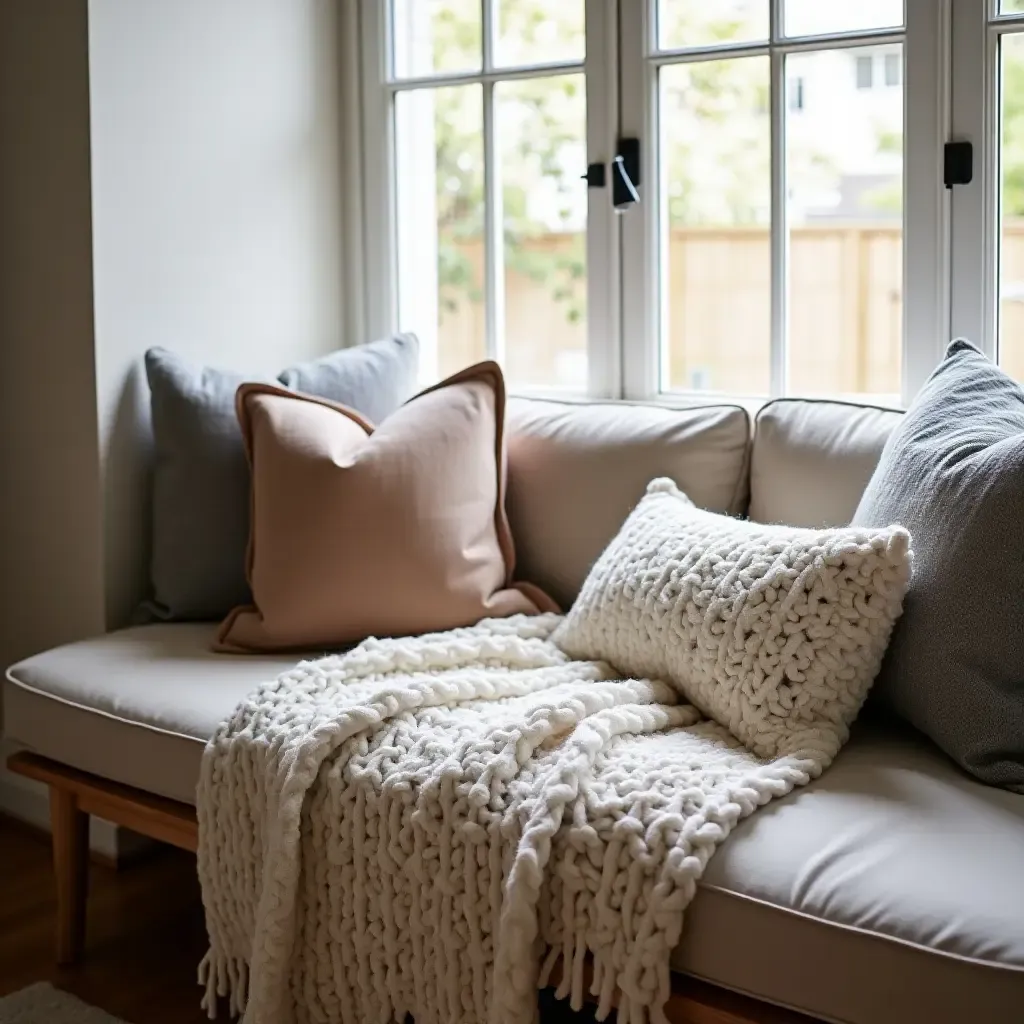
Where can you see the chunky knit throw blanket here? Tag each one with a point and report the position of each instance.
(426, 825)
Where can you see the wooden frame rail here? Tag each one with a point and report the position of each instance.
(74, 796)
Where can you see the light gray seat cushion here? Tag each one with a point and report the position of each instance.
(811, 459)
(575, 471)
(136, 706)
(887, 891)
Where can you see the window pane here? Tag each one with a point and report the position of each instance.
(716, 248)
(683, 23)
(540, 31)
(816, 17)
(440, 186)
(845, 182)
(1011, 6)
(541, 127)
(435, 36)
(1011, 259)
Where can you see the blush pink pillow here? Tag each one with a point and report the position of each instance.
(360, 531)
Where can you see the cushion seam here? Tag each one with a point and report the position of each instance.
(825, 401)
(29, 688)
(910, 943)
(626, 403)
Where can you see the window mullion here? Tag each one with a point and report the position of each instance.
(926, 202)
(494, 229)
(972, 245)
(488, 28)
(378, 145)
(779, 214)
(604, 307)
(640, 227)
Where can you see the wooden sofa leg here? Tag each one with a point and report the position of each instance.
(70, 827)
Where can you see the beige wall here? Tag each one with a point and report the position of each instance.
(216, 212)
(169, 174)
(51, 569)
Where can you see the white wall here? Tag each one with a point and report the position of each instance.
(216, 206)
(169, 174)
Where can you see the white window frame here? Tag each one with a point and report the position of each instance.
(977, 28)
(925, 212)
(622, 252)
(379, 88)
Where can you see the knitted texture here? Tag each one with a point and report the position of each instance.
(426, 825)
(775, 632)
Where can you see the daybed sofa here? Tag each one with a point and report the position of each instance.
(890, 890)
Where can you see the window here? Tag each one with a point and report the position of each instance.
(892, 69)
(865, 71)
(766, 253)
(488, 104)
(770, 260)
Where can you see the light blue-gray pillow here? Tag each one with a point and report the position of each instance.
(200, 476)
(952, 473)
(373, 379)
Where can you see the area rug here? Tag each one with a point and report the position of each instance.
(43, 1004)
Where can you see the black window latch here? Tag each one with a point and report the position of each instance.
(626, 175)
(957, 163)
(625, 167)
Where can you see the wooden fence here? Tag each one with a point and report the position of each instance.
(845, 312)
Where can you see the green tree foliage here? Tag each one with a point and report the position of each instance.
(541, 126)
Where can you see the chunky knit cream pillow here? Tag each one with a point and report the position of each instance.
(775, 632)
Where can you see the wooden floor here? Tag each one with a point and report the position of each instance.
(144, 938)
(145, 931)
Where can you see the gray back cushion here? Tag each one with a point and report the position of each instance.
(952, 472)
(811, 459)
(200, 474)
(575, 471)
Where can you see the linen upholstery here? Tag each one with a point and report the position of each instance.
(135, 705)
(577, 470)
(886, 892)
(850, 878)
(953, 473)
(388, 532)
(200, 517)
(811, 459)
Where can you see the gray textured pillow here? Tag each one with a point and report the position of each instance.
(200, 475)
(953, 474)
(373, 379)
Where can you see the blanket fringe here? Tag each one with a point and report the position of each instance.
(223, 977)
(604, 985)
